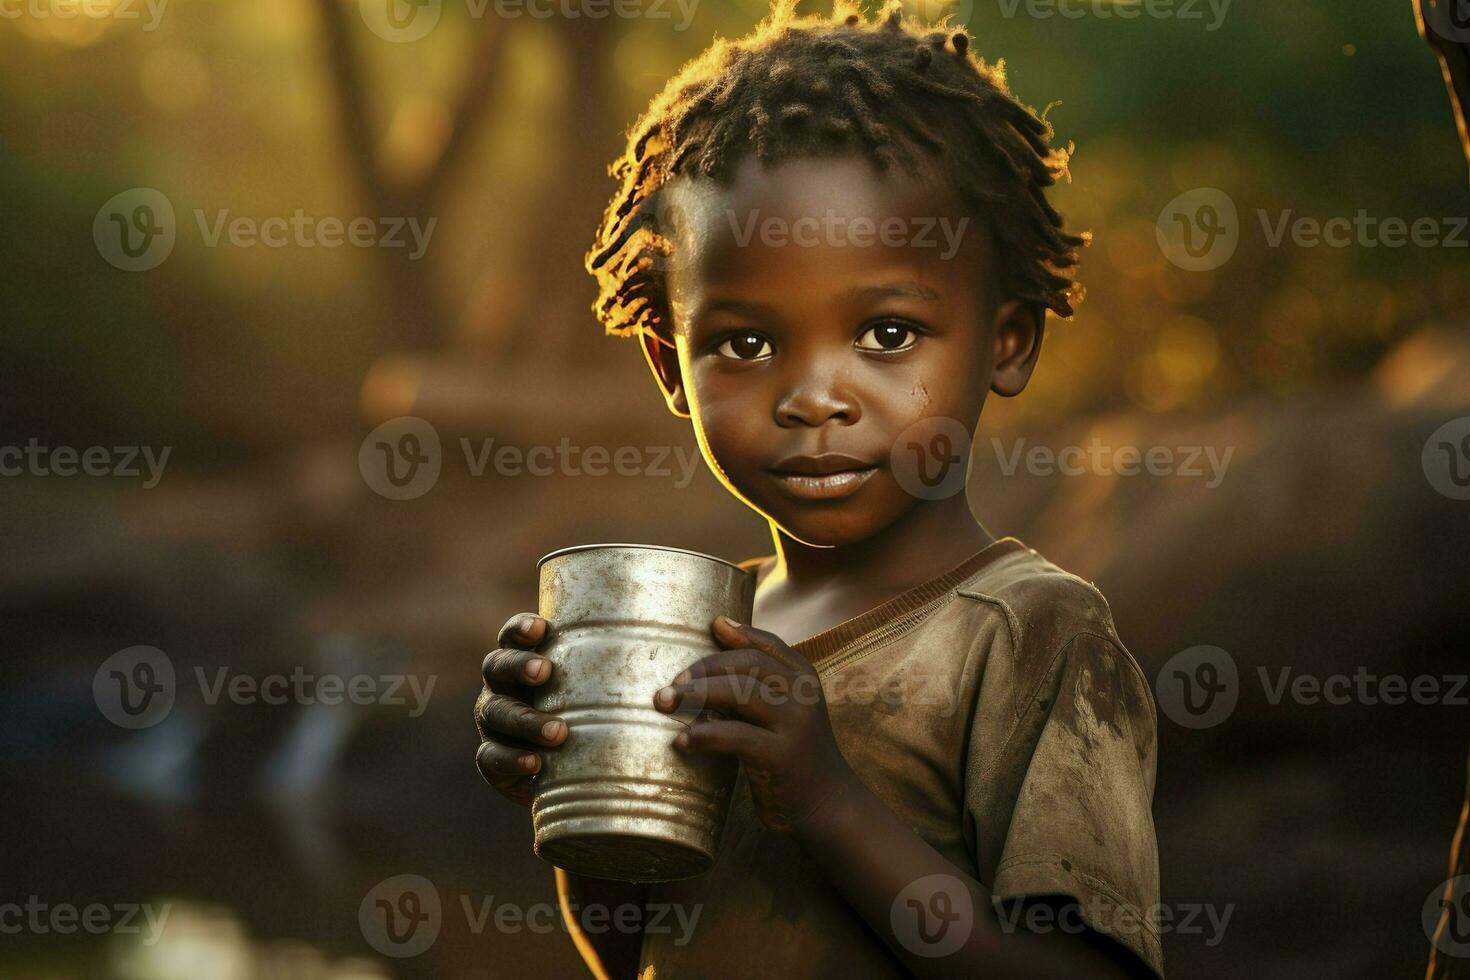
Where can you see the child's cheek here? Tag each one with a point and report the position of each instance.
(731, 450)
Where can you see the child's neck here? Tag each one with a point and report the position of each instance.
(928, 541)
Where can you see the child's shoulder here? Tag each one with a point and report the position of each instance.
(1039, 597)
(1047, 611)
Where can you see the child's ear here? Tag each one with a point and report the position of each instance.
(1017, 330)
(663, 360)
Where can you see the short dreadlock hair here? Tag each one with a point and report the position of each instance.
(823, 86)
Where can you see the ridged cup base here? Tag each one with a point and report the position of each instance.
(626, 830)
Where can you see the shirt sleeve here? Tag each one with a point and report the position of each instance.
(1082, 825)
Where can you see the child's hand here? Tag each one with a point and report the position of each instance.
(509, 727)
(776, 721)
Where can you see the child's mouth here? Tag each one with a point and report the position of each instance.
(822, 477)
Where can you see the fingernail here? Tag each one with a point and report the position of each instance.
(665, 696)
(551, 729)
(530, 762)
(681, 740)
(729, 622)
(536, 668)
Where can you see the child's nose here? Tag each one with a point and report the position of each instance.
(816, 404)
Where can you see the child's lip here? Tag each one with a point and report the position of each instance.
(823, 486)
(820, 465)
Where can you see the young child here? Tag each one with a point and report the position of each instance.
(832, 241)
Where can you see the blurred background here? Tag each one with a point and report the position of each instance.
(142, 316)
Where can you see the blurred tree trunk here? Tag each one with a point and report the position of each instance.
(1444, 967)
(416, 318)
(557, 321)
(1454, 63)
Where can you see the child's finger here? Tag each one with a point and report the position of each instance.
(498, 762)
(524, 630)
(742, 696)
(510, 667)
(507, 716)
(752, 745)
(747, 661)
(732, 634)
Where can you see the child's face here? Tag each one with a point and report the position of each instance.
(821, 308)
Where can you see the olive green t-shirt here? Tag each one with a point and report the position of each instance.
(994, 709)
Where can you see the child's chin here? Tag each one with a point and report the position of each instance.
(827, 531)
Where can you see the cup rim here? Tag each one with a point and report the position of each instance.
(650, 547)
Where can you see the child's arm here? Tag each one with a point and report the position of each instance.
(875, 860)
(803, 786)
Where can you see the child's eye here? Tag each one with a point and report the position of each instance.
(747, 346)
(888, 336)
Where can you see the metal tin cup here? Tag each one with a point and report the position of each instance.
(616, 799)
